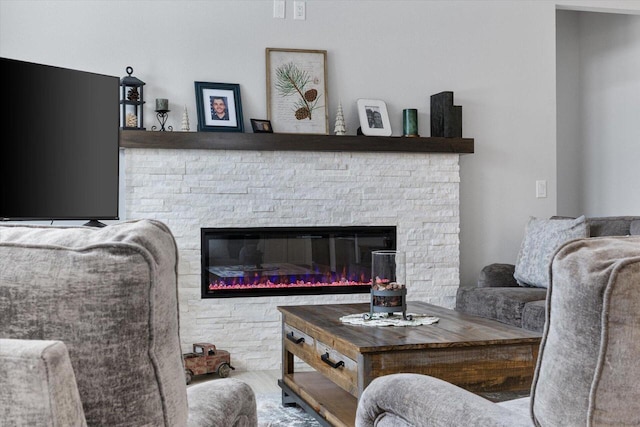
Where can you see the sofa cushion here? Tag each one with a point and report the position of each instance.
(497, 275)
(611, 225)
(505, 305)
(533, 315)
(588, 368)
(542, 238)
(99, 291)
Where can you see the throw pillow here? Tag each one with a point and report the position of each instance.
(634, 228)
(542, 238)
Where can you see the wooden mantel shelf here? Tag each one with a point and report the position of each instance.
(291, 142)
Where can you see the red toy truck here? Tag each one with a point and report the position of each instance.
(206, 359)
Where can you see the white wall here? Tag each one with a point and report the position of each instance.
(497, 56)
(570, 164)
(598, 111)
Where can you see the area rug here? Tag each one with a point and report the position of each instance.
(271, 413)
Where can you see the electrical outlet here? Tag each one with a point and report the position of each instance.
(299, 10)
(541, 189)
(278, 8)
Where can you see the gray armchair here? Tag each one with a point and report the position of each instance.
(89, 332)
(587, 372)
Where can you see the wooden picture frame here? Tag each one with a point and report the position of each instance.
(374, 118)
(297, 100)
(261, 126)
(219, 107)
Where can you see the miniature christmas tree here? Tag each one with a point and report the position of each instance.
(339, 128)
(185, 120)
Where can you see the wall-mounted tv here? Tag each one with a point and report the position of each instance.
(60, 153)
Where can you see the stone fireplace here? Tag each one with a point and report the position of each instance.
(192, 188)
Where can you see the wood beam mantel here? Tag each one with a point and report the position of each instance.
(292, 142)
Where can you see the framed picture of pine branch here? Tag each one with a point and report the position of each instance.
(297, 100)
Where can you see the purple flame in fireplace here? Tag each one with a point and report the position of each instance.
(254, 280)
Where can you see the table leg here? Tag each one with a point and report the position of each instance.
(287, 368)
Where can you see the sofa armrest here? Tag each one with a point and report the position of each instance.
(420, 400)
(222, 403)
(497, 276)
(38, 385)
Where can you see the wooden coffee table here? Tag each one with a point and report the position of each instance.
(478, 354)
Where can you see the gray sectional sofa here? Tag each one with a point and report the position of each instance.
(498, 294)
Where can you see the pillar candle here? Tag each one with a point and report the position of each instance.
(162, 104)
(410, 122)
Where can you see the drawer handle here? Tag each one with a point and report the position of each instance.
(325, 359)
(291, 338)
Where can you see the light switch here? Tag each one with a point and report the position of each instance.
(541, 189)
(278, 8)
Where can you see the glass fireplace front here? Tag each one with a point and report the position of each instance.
(273, 261)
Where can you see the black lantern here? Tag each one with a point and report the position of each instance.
(132, 101)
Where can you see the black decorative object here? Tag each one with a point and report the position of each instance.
(132, 101)
(162, 114)
(446, 118)
(388, 301)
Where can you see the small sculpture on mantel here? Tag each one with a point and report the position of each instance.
(185, 120)
(340, 128)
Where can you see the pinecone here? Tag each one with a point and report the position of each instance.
(131, 120)
(311, 95)
(133, 94)
(303, 113)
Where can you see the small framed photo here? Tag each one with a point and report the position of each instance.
(374, 119)
(261, 126)
(219, 107)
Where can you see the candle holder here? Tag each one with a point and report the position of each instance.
(162, 116)
(388, 291)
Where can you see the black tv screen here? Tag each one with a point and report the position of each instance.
(60, 159)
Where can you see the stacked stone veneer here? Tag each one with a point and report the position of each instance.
(191, 189)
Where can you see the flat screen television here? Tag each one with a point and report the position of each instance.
(60, 154)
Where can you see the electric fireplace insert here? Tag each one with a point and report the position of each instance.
(275, 261)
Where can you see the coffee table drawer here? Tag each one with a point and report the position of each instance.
(299, 343)
(294, 335)
(334, 365)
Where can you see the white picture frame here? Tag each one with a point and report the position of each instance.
(374, 118)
